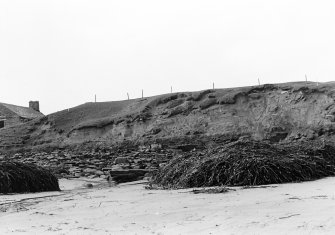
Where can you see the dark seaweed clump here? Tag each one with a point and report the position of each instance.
(21, 178)
(243, 163)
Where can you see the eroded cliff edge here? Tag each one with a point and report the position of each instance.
(271, 112)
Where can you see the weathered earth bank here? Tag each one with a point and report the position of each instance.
(274, 112)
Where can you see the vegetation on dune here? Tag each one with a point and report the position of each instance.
(248, 163)
(20, 178)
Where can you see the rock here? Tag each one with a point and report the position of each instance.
(74, 169)
(89, 185)
(155, 147)
(162, 165)
(128, 175)
(99, 172)
(121, 160)
(89, 170)
(116, 167)
(155, 131)
(186, 147)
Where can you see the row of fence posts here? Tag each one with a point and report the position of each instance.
(213, 87)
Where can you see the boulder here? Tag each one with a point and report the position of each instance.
(89, 170)
(187, 147)
(98, 172)
(123, 176)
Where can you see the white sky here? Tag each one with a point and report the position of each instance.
(62, 52)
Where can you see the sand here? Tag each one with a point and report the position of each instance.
(297, 208)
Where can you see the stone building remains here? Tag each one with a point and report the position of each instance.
(11, 115)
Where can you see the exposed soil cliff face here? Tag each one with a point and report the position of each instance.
(281, 112)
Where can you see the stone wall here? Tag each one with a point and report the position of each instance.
(11, 118)
(93, 164)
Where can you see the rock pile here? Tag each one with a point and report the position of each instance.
(95, 163)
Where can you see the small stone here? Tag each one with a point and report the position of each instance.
(89, 185)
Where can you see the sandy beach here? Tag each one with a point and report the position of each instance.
(297, 208)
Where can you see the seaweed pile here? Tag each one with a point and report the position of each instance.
(21, 178)
(247, 162)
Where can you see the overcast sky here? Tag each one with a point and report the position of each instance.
(62, 52)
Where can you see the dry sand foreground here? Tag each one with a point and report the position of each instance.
(301, 208)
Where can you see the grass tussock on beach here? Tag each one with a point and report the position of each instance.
(248, 163)
(21, 178)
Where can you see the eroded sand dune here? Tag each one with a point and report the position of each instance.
(298, 208)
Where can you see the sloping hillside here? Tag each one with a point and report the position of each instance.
(280, 112)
